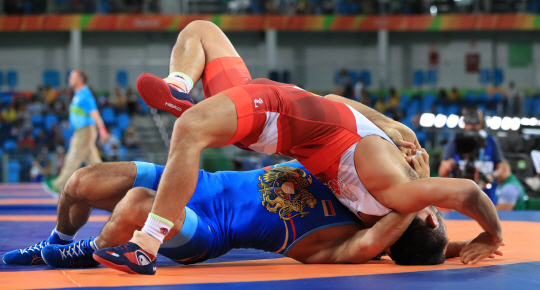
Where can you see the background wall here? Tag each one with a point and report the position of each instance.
(312, 57)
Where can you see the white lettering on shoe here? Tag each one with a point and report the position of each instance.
(142, 258)
(259, 101)
(173, 106)
(115, 254)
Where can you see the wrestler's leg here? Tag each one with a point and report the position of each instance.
(130, 215)
(197, 45)
(100, 185)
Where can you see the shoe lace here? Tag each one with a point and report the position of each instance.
(36, 247)
(73, 250)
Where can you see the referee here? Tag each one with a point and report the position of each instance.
(85, 119)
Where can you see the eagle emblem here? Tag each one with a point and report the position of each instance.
(283, 191)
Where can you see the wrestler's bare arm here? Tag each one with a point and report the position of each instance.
(368, 243)
(402, 135)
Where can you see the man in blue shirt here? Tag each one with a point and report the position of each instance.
(84, 118)
(489, 157)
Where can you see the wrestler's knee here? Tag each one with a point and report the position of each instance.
(135, 206)
(199, 27)
(191, 126)
(79, 183)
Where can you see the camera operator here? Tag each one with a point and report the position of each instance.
(473, 154)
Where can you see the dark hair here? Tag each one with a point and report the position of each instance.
(420, 244)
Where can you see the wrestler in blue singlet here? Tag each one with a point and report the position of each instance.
(268, 209)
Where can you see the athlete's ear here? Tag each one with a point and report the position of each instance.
(431, 221)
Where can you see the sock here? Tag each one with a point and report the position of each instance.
(59, 238)
(157, 227)
(91, 247)
(182, 77)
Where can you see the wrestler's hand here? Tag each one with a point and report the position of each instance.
(481, 247)
(404, 138)
(420, 164)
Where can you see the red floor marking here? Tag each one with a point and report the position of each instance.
(45, 218)
(521, 239)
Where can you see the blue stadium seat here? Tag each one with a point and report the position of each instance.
(123, 121)
(453, 109)
(67, 134)
(422, 137)
(366, 76)
(413, 108)
(10, 145)
(403, 102)
(337, 77)
(1, 78)
(287, 76)
(483, 97)
(432, 77)
(7, 98)
(418, 78)
(482, 108)
(484, 76)
(37, 120)
(14, 171)
(122, 78)
(144, 107)
(407, 122)
(122, 152)
(429, 100)
(470, 98)
(528, 107)
(108, 115)
(50, 120)
(36, 131)
(498, 76)
(12, 78)
(536, 108)
(441, 109)
(354, 76)
(497, 97)
(116, 132)
(51, 78)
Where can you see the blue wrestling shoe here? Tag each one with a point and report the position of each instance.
(27, 256)
(74, 255)
(129, 258)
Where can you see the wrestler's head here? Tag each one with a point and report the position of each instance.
(424, 242)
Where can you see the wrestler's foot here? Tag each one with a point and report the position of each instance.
(74, 255)
(28, 256)
(157, 94)
(129, 258)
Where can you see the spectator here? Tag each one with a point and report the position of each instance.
(27, 142)
(41, 140)
(454, 96)
(346, 83)
(442, 98)
(119, 100)
(510, 192)
(512, 101)
(358, 87)
(55, 138)
(40, 167)
(132, 102)
(380, 105)
(131, 140)
(50, 95)
(9, 114)
(365, 98)
(393, 103)
(489, 155)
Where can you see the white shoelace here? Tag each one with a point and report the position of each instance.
(36, 247)
(74, 250)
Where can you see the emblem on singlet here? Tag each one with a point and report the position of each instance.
(283, 191)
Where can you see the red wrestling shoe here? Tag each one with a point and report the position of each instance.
(157, 94)
(129, 258)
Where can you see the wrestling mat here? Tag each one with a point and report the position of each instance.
(27, 216)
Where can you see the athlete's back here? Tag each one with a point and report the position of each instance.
(268, 209)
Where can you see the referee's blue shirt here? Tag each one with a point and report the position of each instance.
(79, 110)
